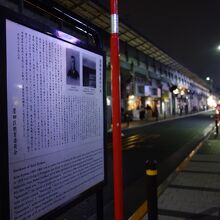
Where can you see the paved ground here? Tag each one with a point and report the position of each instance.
(195, 192)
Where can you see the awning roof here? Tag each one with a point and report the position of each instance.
(101, 18)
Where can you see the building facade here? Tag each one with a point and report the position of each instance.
(150, 86)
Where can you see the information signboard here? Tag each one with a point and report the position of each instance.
(55, 119)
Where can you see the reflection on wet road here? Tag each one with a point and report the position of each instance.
(135, 140)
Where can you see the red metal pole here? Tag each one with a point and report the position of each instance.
(116, 113)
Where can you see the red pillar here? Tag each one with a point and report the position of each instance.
(116, 113)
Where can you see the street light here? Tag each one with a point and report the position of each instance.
(210, 82)
(218, 47)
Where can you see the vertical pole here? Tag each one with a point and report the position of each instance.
(116, 112)
(151, 174)
(216, 126)
(99, 204)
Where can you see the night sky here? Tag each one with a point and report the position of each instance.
(187, 30)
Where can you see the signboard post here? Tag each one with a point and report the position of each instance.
(116, 112)
(55, 118)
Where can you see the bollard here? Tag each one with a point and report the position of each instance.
(99, 205)
(151, 178)
(216, 127)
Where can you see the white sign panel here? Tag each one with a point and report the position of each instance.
(55, 121)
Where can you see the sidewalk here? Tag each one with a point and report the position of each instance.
(195, 191)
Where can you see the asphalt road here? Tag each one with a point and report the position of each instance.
(160, 141)
(168, 142)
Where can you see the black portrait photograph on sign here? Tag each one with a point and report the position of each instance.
(89, 72)
(72, 67)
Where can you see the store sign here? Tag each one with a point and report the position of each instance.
(139, 89)
(55, 121)
(152, 91)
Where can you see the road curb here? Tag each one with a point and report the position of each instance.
(161, 121)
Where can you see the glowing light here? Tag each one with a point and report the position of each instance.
(176, 91)
(108, 100)
(67, 37)
(207, 78)
(131, 97)
(133, 102)
(218, 47)
(20, 86)
(148, 102)
(211, 102)
(182, 92)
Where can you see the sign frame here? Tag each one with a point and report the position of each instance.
(7, 14)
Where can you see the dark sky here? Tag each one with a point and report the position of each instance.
(187, 30)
